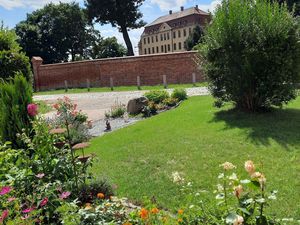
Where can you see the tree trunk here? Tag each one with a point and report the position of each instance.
(127, 41)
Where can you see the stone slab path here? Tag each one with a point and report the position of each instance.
(95, 104)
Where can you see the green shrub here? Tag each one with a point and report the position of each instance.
(251, 54)
(170, 102)
(157, 96)
(180, 94)
(117, 110)
(15, 96)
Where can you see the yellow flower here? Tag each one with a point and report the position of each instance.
(180, 220)
(88, 206)
(154, 211)
(144, 213)
(180, 211)
(100, 195)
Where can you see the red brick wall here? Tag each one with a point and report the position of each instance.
(178, 67)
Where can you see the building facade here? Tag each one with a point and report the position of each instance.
(169, 33)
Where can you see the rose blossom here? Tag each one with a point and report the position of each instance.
(65, 195)
(249, 167)
(238, 221)
(228, 166)
(44, 202)
(5, 190)
(32, 110)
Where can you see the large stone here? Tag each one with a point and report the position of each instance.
(136, 105)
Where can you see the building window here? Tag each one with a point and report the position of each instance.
(153, 51)
(184, 32)
(169, 49)
(145, 51)
(190, 31)
(144, 41)
(152, 39)
(149, 51)
(156, 38)
(157, 49)
(184, 45)
(148, 40)
(168, 36)
(162, 49)
(179, 34)
(165, 36)
(161, 37)
(179, 45)
(165, 48)
(174, 34)
(174, 46)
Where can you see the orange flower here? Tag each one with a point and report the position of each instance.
(100, 195)
(127, 223)
(154, 211)
(180, 220)
(144, 213)
(180, 211)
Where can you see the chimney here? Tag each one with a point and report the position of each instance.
(197, 7)
(170, 12)
(181, 8)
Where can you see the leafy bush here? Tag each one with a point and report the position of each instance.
(11, 59)
(170, 102)
(180, 94)
(117, 110)
(15, 96)
(251, 54)
(157, 96)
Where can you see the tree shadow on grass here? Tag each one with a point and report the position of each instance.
(280, 125)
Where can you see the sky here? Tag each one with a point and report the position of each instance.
(14, 11)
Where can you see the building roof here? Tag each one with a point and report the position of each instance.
(177, 15)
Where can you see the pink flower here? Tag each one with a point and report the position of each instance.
(249, 167)
(65, 195)
(11, 199)
(32, 110)
(4, 215)
(5, 190)
(28, 210)
(40, 175)
(44, 202)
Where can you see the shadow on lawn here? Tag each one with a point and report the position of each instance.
(281, 125)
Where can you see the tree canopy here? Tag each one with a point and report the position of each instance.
(123, 14)
(56, 32)
(108, 48)
(194, 38)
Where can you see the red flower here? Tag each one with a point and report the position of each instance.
(5, 190)
(4, 215)
(32, 110)
(44, 202)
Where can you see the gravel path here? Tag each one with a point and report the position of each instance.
(95, 104)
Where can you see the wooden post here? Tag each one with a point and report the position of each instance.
(111, 83)
(138, 80)
(165, 81)
(66, 86)
(88, 84)
(36, 63)
(194, 79)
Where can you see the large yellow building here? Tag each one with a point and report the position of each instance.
(169, 33)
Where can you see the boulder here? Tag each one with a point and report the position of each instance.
(136, 105)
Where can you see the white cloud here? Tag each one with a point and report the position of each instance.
(165, 5)
(210, 7)
(35, 4)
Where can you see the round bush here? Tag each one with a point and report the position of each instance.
(251, 54)
(180, 94)
(157, 96)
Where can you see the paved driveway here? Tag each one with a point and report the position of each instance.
(96, 104)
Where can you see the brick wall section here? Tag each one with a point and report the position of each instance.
(178, 67)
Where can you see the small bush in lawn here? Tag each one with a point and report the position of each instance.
(117, 110)
(180, 94)
(15, 96)
(251, 54)
(157, 96)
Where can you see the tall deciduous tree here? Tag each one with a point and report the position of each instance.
(55, 32)
(194, 38)
(108, 48)
(123, 14)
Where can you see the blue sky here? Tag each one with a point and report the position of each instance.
(14, 11)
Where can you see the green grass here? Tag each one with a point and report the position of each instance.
(121, 88)
(195, 139)
(43, 107)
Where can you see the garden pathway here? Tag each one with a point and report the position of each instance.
(95, 104)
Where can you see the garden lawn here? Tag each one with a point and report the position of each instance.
(121, 88)
(194, 140)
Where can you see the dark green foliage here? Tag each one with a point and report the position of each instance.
(251, 54)
(293, 5)
(179, 94)
(157, 96)
(56, 32)
(11, 59)
(194, 38)
(123, 14)
(15, 95)
(108, 48)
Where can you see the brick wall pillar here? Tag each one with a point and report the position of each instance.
(36, 63)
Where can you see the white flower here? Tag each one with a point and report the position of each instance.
(228, 166)
(177, 178)
(238, 221)
(233, 176)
